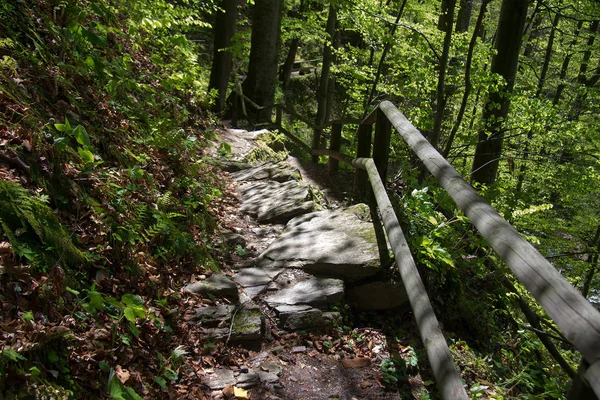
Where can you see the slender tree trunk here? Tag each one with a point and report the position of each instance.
(538, 94)
(565, 65)
(463, 104)
(331, 84)
(220, 72)
(262, 69)
(464, 16)
(593, 261)
(446, 20)
(288, 65)
(326, 66)
(582, 79)
(508, 44)
(386, 49)
(532, 30)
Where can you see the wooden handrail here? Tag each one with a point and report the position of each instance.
(578, 320)
(573, 314)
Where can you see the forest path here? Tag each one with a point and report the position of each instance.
(285, 312)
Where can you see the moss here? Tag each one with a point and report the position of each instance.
(247, 321)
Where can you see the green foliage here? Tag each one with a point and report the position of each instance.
(35, 233)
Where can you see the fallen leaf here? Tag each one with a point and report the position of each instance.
(240, 393)
(366, 384)
(122, 374)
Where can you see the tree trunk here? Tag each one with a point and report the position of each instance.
(464, 16)
(326, 66)
(446, 20)
(565, 65)
(463, 104)
(538, 94)
(386, 49)
(224, 29)
(262, 69)
(288, 65)
(508, 44)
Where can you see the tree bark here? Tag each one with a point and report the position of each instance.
(464, 16)
(223, 31)
(463, 104)
(446, 19)
(288, 65)
(262, 69)
(508, 44)
(326, 66)
(565, 65)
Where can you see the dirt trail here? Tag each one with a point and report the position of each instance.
(350, 361)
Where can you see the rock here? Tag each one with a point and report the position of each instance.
(248, 324)
(232, 239)
(248, 277)
(332, 318)
(218, 285)
(299, 317)
(313, 291)
(271, 201)
(280, 172)
(213, 315)
(299, 349)
(248, 380)
(338, 243)
(269, 372)
(218, 379)
(379, 296)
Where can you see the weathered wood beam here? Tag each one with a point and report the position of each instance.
(445, 372)
(573, 314)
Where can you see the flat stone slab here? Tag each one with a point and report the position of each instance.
(340, 243)
(299, 317)
(248, 323)
(314, 291)
(248, 277)
(218, 379)
(280, 172)
(271, 201)
(217, 285)
(379, 296)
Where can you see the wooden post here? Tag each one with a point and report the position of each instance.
(381, 146)
(580, 390)
(335, 144)
(315, 144)
(363, 151)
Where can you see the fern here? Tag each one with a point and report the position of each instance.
(33, 230)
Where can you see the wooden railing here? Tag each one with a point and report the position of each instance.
(578, 320)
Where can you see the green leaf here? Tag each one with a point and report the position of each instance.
(60, 127)
(132, 299)
(28, 316)
(87, 155)
(171, 375)
(35, 371)
(93, 38)
(161, 382)
(75, 292)
(61, 143)
(81, 136)
(129, 314)
(12, 355)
